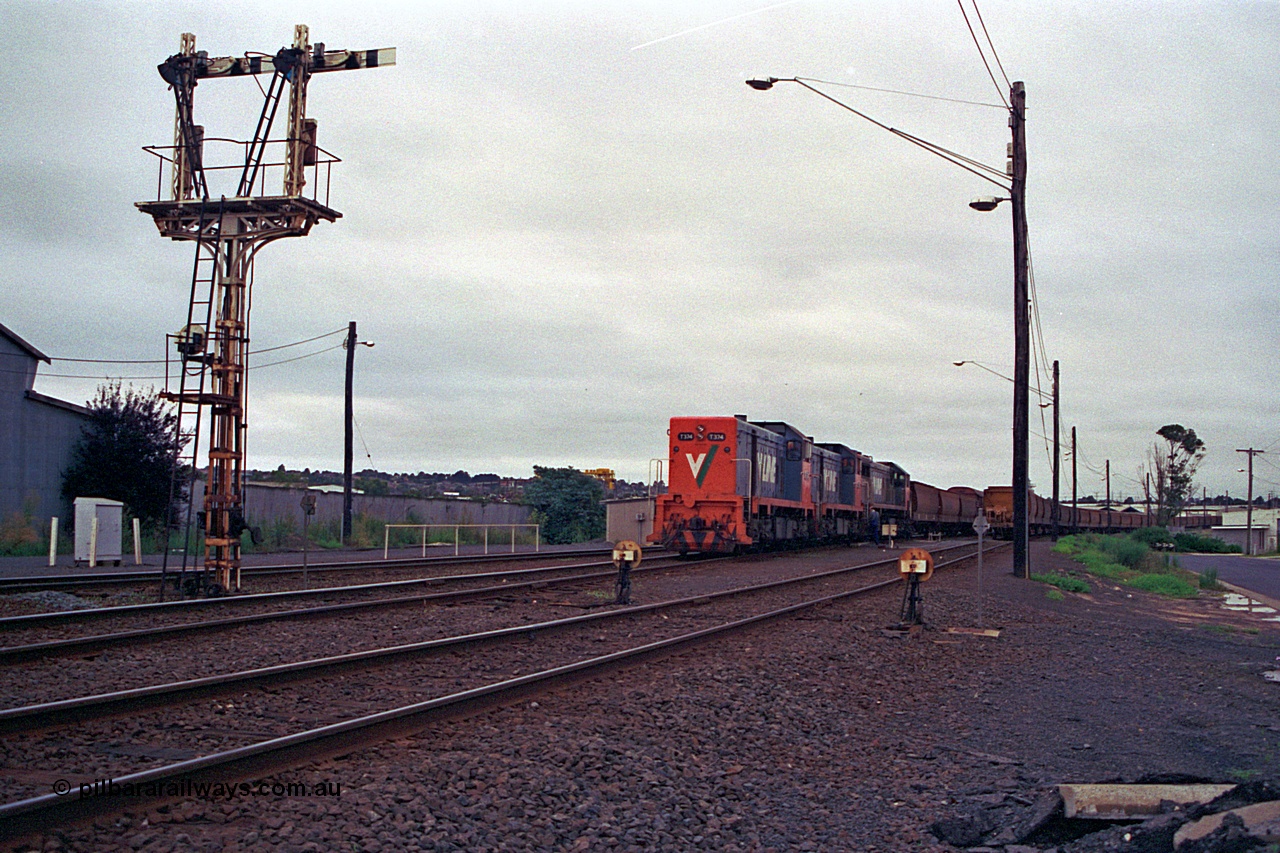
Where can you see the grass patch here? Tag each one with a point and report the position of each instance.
(1054, 594)
(1164, 585)
(1069, 584)
(1230, 629)
(1127, 560)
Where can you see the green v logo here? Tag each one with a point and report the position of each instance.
(702, 464)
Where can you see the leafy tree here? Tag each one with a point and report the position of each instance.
(567, 503)
(125, 453)
(373, 485)
(1174, 463)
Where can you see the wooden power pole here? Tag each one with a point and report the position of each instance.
(1057, 453)
(1021, 332)
(1248, 511)
(347, 438)
(1075, 501)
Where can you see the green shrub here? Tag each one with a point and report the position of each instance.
(1203, 544)
(1209, 579)
(1054, 594)
(1152, 535)
(1124, 550)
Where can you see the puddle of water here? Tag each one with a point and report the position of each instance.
(1237, 603)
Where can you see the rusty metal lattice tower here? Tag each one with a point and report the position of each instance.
(228, 230)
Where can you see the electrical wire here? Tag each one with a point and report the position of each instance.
(360, 432)
(992, 45)
(108, 376)
(909, 94)
(982, 53)
(163, 361)
(295, 358)
(950, 156)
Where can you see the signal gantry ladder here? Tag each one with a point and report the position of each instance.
(213, 346)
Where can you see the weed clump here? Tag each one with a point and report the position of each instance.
(1128, 560)
(1064, 582)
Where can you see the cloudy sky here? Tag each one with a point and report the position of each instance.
(561, 228)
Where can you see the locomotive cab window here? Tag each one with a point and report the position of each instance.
(793, 450)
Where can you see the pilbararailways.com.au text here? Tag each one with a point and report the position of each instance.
(197, 789)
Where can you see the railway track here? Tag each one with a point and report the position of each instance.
(144, 577)
(95, 643)
(260, 746)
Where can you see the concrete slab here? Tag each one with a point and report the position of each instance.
(1119, 802)
(1262, 820)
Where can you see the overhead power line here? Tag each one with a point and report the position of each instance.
(160, 377)
(910, 94)
(992, 44)
(966, 163)
(981, 52)
(162, 361)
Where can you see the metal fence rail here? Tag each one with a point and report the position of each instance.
(457, 528)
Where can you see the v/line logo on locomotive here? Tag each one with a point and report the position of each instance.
(702, 463)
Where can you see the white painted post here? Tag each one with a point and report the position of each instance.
(486, 540)
(455, 540)
(93, 543)
(53, 541)
(386, 540)
(137, 542)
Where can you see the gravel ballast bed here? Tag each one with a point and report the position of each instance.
(811, 733)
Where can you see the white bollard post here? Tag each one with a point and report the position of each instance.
(93, 543)
(137, 542)
(53, 541)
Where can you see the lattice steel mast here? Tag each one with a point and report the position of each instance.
(228, 232)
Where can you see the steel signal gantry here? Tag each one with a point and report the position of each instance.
(228, 230)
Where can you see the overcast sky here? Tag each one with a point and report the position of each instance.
(561, 228)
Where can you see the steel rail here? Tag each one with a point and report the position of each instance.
(48, 810)
(49, 582)
(29, 619)
(80, 709)
(96, 642)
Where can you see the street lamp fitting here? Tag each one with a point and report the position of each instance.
(986, 202)
(762, 85)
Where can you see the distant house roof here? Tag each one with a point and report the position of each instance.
(35, 353)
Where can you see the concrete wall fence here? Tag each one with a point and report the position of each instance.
(266, 505)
